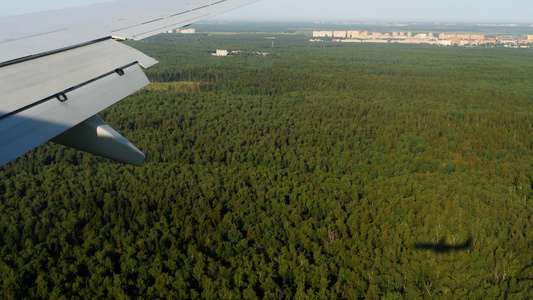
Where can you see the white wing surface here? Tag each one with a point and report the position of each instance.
(58, 69)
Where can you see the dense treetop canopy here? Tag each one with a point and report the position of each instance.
(311, 172)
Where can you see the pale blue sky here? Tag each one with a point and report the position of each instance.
(502, 11)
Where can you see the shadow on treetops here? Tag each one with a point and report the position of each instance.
(442, 247)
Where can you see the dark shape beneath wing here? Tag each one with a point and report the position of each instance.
(442, 247)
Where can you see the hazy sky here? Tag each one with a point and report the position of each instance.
(502, 11)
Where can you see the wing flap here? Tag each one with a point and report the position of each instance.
(25, 130)
(28, 82)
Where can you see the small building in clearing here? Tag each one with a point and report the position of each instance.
(220, 53)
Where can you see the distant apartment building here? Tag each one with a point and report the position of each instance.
(185, 31)
(453, 36)
(188, 31)
(477, 37)
(339, 34)
(376, 34)
(443, 39)
(352, 33)
(322, 33)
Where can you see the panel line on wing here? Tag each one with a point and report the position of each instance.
(181, 13)
(170, 17)
(31, 36)
(148, 22)
(200, 7)
(27, 58)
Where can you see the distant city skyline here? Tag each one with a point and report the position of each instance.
(471, 11)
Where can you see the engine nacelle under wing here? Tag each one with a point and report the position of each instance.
(85, 81)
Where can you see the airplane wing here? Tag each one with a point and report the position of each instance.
(59, 68)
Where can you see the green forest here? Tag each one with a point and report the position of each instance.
(316, 171)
